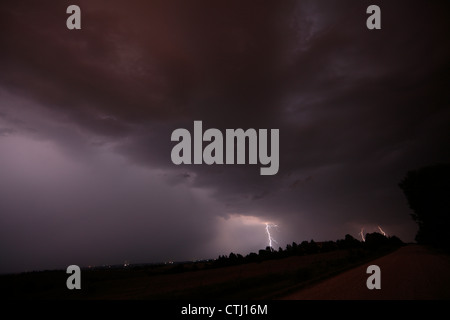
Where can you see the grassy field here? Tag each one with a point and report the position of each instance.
(203, 280)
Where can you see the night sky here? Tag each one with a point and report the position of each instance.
(86, 118)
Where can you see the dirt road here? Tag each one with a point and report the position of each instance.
(412, 272)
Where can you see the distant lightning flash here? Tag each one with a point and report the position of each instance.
(362, 235)
(382, 232)
(269, 236)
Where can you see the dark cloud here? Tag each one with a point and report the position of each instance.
(356, 110)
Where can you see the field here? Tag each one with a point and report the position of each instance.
(269, 279)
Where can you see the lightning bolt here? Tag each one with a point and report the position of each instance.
(269, 236)
(362, 235)
(382, 232)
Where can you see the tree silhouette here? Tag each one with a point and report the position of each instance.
(349, 242)
(375, 240)
(428, 193)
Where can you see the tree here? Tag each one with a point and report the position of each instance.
(312, 247)
(427, 191)
(375, 240)
(350, 242)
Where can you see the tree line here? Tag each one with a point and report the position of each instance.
(373, 241)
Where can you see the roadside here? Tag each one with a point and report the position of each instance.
(411, 272)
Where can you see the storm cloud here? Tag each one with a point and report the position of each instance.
(86, 118)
